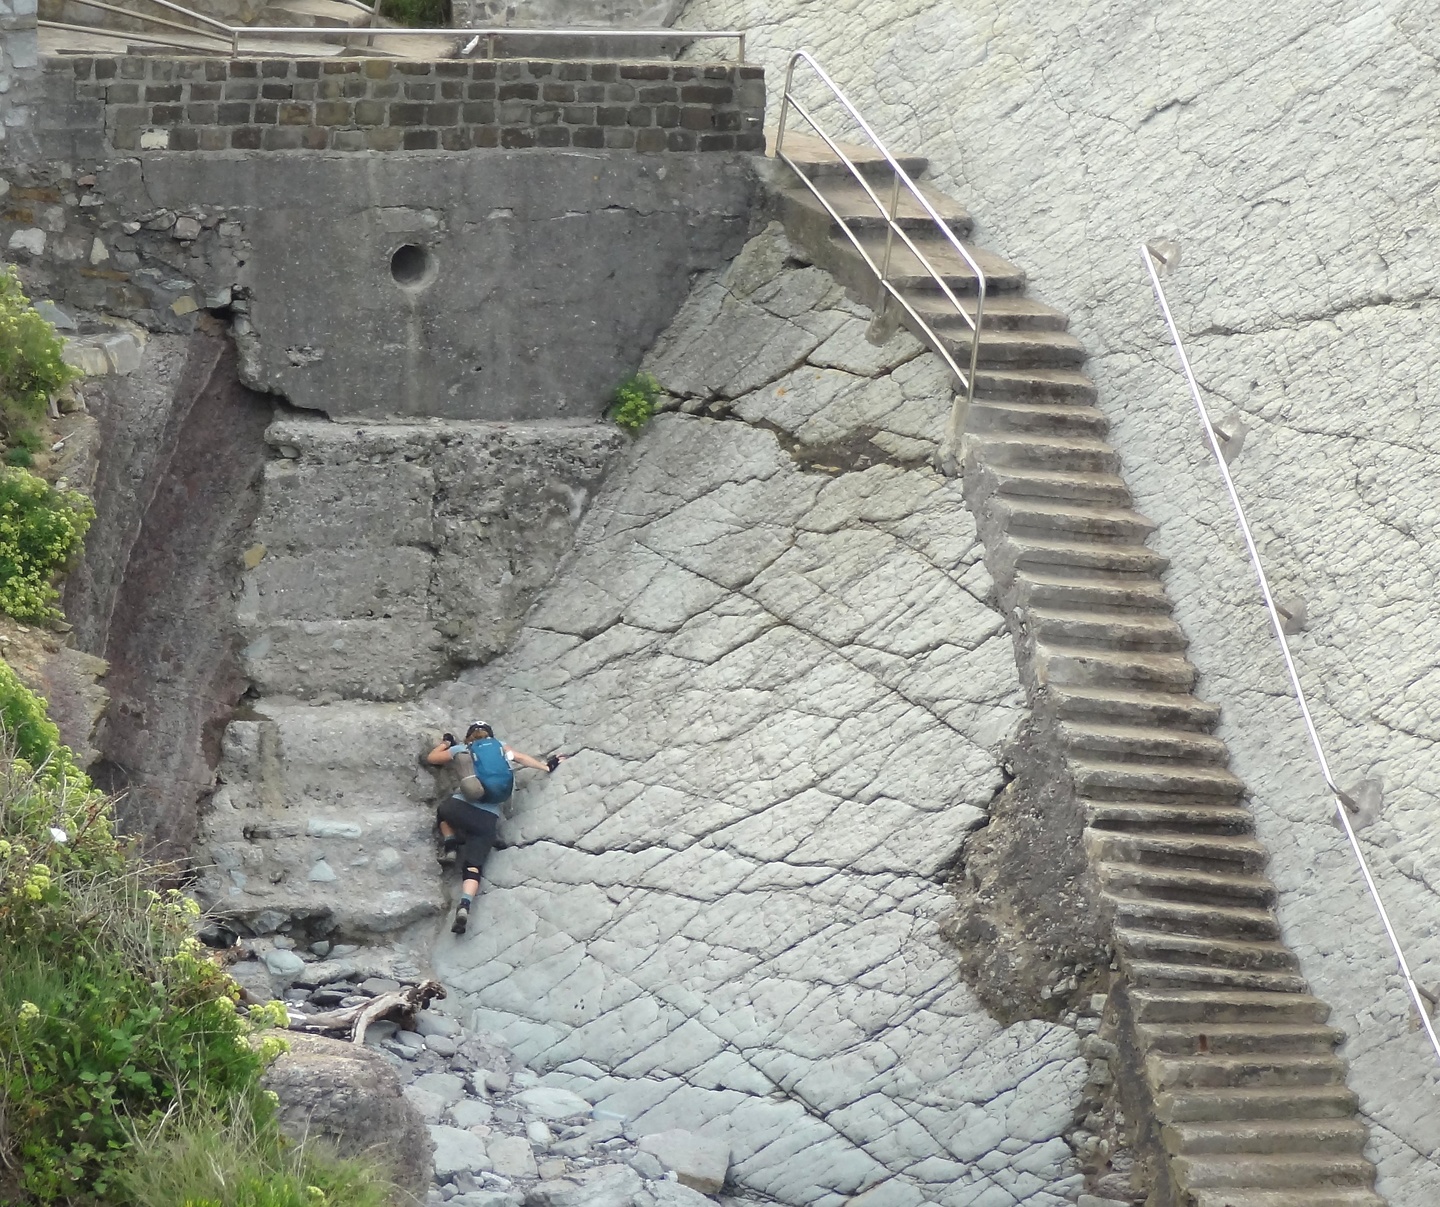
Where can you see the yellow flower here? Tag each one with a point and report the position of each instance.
(29, 1012)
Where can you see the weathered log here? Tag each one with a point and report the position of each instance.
(400, 1006)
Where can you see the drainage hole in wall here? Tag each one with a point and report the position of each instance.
(412, 266)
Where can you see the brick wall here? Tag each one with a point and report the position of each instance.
(211, 104)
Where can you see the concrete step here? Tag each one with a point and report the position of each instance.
(1018, 481)
(1308, 1197)
(817, 159)
(1186, 885)
(1154, 1006)
(1061, 554)
(1110, 742)
(1083, 667)
(1001, 346)
(313, 14)
(1042, 418)
(1071, 521)
(1215, 852)
(1195, 1039)
(1185, 1105)
(1060, 591)
(1063, 453)
(859, 212)
(1167, 709)
(1336, 1137)
(1153, 946)
(909, 274)
(1272, 1171)
(1035, 385)
(1107, 631)
(1160, 974)
(1139, 817)
(1191, 918)
(1242, 1072)
(1146, 781)
(1003, 311)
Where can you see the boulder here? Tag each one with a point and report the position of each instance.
(673, 1194)
(350, 1097)
(697, 1161)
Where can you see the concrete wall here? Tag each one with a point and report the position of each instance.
(1290, 148)
(19, 65)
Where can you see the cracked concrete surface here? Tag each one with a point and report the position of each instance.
(788, 695)
(773, 655)
(1289, 149)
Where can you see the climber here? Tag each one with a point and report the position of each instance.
(470, 817)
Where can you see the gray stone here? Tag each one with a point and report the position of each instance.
(673, 1194)
(375, 986)
(469, 1113)
(603, 1186)
(487, 1198)
(441, 1045)
(512, 1156)
(448, 1087)
(497, 1081)
(551, 1102)
(322, 872)
(428, 1023)
(348, 1097)
(30, 240)
(431, 1106)
(647, 1165)
(457, 1151)
(329, 827)
(700, 1162)
(284, 964)
(123, 350)
(55, 316)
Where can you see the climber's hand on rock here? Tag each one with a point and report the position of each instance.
(447, 739)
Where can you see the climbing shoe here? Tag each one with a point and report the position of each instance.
(462, 919)
(449, 849)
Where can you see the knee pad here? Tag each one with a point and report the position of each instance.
(472, 873)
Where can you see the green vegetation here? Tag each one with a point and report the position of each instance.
(417, 14)
(208, 1162)
(41, 529)
(633, 404)
(31, 370)
(121, 1048)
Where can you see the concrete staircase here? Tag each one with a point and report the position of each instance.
(1223, 1060)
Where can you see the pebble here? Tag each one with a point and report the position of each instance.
(487, 1115)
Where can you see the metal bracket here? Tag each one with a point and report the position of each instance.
(1293, 616)
(886, 323)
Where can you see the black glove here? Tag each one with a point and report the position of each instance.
(554, 760)
(448, 739)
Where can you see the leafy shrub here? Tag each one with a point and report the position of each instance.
(32, 733)
(417, 14)
(205, 1161)
(31, 368)
(111, 1014)
(41, 529)
(633, 404)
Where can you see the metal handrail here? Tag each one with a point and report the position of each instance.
(893, 228)
(1343, 802)
(314, 33)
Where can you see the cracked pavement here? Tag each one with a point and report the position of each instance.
(772, 655)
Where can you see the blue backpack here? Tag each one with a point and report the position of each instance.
(492, 768)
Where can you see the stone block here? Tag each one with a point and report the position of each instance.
(699, 1162)
(551, 1102)
(457, 1151)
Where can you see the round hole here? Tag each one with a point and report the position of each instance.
(412, 266)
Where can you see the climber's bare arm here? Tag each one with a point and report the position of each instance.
(526, 760)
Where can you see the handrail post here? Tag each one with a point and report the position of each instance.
(784, 104)
(890, 228)
(741, 49)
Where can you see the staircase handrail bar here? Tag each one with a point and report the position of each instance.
(153, 20)
(314, 33)
(893, 228)
(1343, 802)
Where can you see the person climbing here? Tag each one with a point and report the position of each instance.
(470, 817)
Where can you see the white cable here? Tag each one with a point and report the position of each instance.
(1277, 624)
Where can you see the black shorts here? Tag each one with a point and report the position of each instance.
(475, 827)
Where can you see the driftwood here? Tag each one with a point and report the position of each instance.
(401, 1006)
